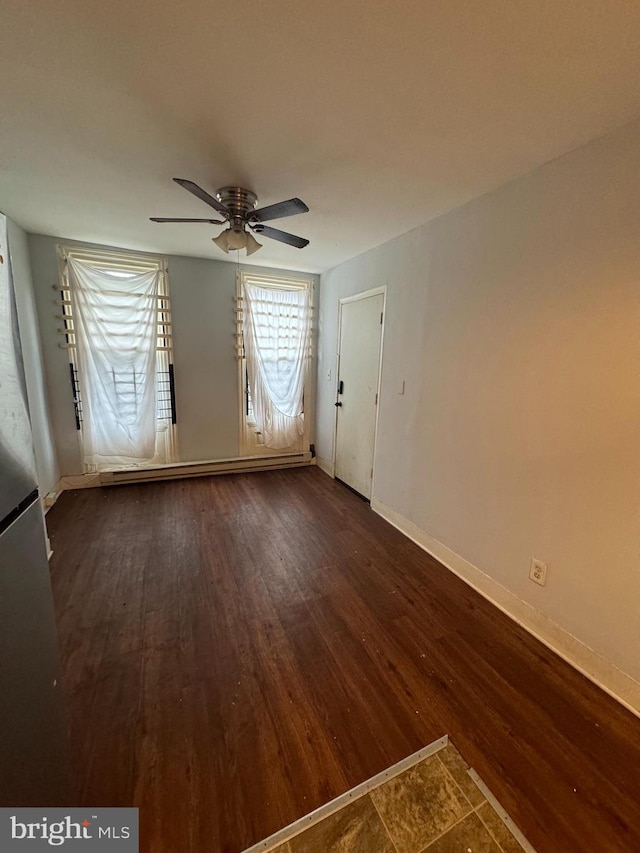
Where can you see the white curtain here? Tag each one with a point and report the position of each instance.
(276, 339)
(115, 319)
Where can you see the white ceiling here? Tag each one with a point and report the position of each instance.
(379, 115)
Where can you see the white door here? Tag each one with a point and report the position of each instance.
(357, 399)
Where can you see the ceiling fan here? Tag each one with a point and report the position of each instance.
(237, 206)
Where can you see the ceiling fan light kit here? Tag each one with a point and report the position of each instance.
(231, 239)
(238, 207)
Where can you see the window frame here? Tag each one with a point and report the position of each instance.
(131, 262)
(249, 442)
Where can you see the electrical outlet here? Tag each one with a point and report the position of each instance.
(538, 571)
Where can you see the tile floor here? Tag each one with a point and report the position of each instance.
(434, 806)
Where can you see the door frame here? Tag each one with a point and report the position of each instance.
(374, 291)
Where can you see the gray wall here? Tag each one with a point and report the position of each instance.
(203, 313)
(46, 461)
(515, 324)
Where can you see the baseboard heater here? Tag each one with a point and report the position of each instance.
(182, 470)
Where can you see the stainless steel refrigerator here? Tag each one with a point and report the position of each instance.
(34, 742)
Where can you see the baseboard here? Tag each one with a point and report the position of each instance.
(51, 497)
(325, 465)
(590, 663)
(186, 470)
(80, 481)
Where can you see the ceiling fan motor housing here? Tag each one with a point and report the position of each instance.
(239, 202)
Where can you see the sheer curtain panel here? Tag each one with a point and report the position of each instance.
(276, 341)
(116, 333)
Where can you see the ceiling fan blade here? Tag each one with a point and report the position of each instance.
(291, 207)
(203, 195)
(166, 219)
(282, 236)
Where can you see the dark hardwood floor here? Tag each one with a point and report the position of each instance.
(241, 649)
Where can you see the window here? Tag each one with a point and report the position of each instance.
(274, 357)
(117, 327)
